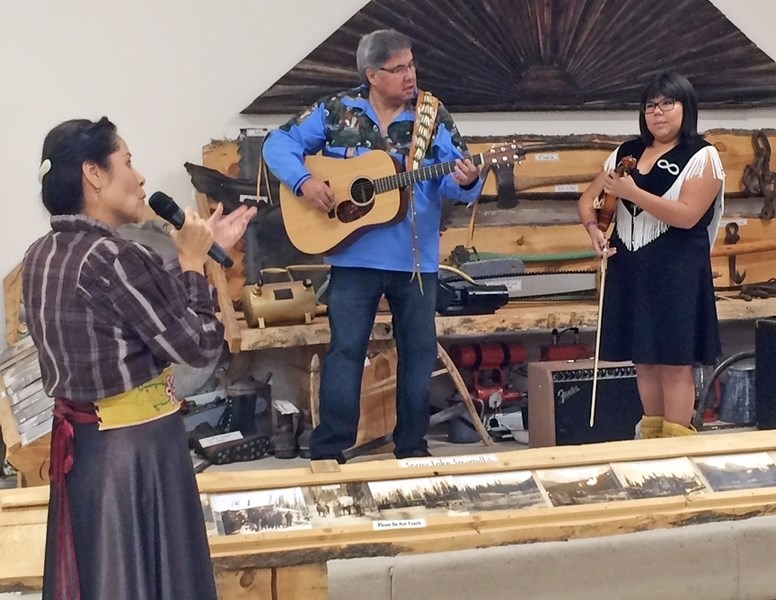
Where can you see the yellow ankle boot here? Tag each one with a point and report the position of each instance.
(676, 430)
(649, 427)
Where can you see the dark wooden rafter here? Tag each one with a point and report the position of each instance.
(502, 55)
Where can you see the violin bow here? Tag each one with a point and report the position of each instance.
(604, 260)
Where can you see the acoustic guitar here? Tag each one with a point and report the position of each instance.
(370, 190)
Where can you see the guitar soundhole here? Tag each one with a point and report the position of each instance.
(362, 191)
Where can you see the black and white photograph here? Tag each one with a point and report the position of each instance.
(416, 498)
(340, 504)
(500, 491)
(738, 471)
(207, 512)
(581, 485)
(659, 478)
(252, 512)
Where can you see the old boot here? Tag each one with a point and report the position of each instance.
(304, 434)
(283, 443)
(242, 406)
(249, 406)
(649, 427)
(676, 430)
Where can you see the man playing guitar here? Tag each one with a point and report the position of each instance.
(398, 259)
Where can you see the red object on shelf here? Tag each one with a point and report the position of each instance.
(558, 351)
(487, 356)
(488, 363)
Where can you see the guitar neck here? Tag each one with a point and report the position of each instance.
(405, 178)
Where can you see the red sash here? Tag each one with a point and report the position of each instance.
(66, 413)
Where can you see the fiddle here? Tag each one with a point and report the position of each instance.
(607, 202)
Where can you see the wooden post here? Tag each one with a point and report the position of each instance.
(315, 388)
(216, 274)
(12, 293)
(460, 386)
(277, 583)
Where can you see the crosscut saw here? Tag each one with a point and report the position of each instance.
(510, 272)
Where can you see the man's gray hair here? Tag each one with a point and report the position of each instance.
(377, 47)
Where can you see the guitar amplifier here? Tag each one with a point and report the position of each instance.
(765, 373)
(559, 395)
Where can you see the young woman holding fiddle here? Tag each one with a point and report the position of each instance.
(658, 309)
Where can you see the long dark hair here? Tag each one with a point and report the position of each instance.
(68, 146)
(671, 85)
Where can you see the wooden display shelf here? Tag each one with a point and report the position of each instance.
(515, 317)
(297, 558)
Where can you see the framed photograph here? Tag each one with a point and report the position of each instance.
(738, 471)
(658, 478)
(340, 504)
(500, 491)
(581, 485)
(416, 498)
(207, 512)
(252, 512)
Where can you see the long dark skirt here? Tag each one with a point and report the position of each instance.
(137, 519)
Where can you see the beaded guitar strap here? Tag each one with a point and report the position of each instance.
(425, 119)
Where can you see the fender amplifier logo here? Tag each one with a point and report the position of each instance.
(564, 395)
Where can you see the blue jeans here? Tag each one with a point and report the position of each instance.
(353, 297)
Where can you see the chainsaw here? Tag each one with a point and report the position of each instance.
(520, 284)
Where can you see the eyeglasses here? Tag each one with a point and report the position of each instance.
(401, 69)
(664, 105)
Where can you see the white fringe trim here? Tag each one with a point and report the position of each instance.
(637, 232)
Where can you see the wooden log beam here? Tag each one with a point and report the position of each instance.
(743, 248)
(248, 563)
(514, 318)
(276, 583)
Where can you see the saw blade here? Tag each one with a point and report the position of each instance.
(538, 284)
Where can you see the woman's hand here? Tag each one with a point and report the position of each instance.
(621, 187)
(228, 230)
(599, 241)
(192, 241)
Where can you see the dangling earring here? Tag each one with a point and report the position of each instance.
(97, 193)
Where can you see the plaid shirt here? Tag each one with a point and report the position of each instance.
(106, 316)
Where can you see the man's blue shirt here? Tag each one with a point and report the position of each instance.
(346, 125)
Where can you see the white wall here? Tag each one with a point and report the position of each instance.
(174, 74)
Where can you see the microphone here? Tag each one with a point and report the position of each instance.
(165, 207)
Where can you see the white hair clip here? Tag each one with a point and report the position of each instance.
(45, 167)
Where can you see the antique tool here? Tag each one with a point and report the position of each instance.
(607, 202)
(758, 178)
(505, 184)
(558, 351)
(491, 364)
(274, 303)
(510, 273)
(470, 297)
(230, 191)
(767, 289)
(732, 237)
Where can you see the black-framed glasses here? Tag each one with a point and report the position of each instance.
(664, 105)
(401, 69)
